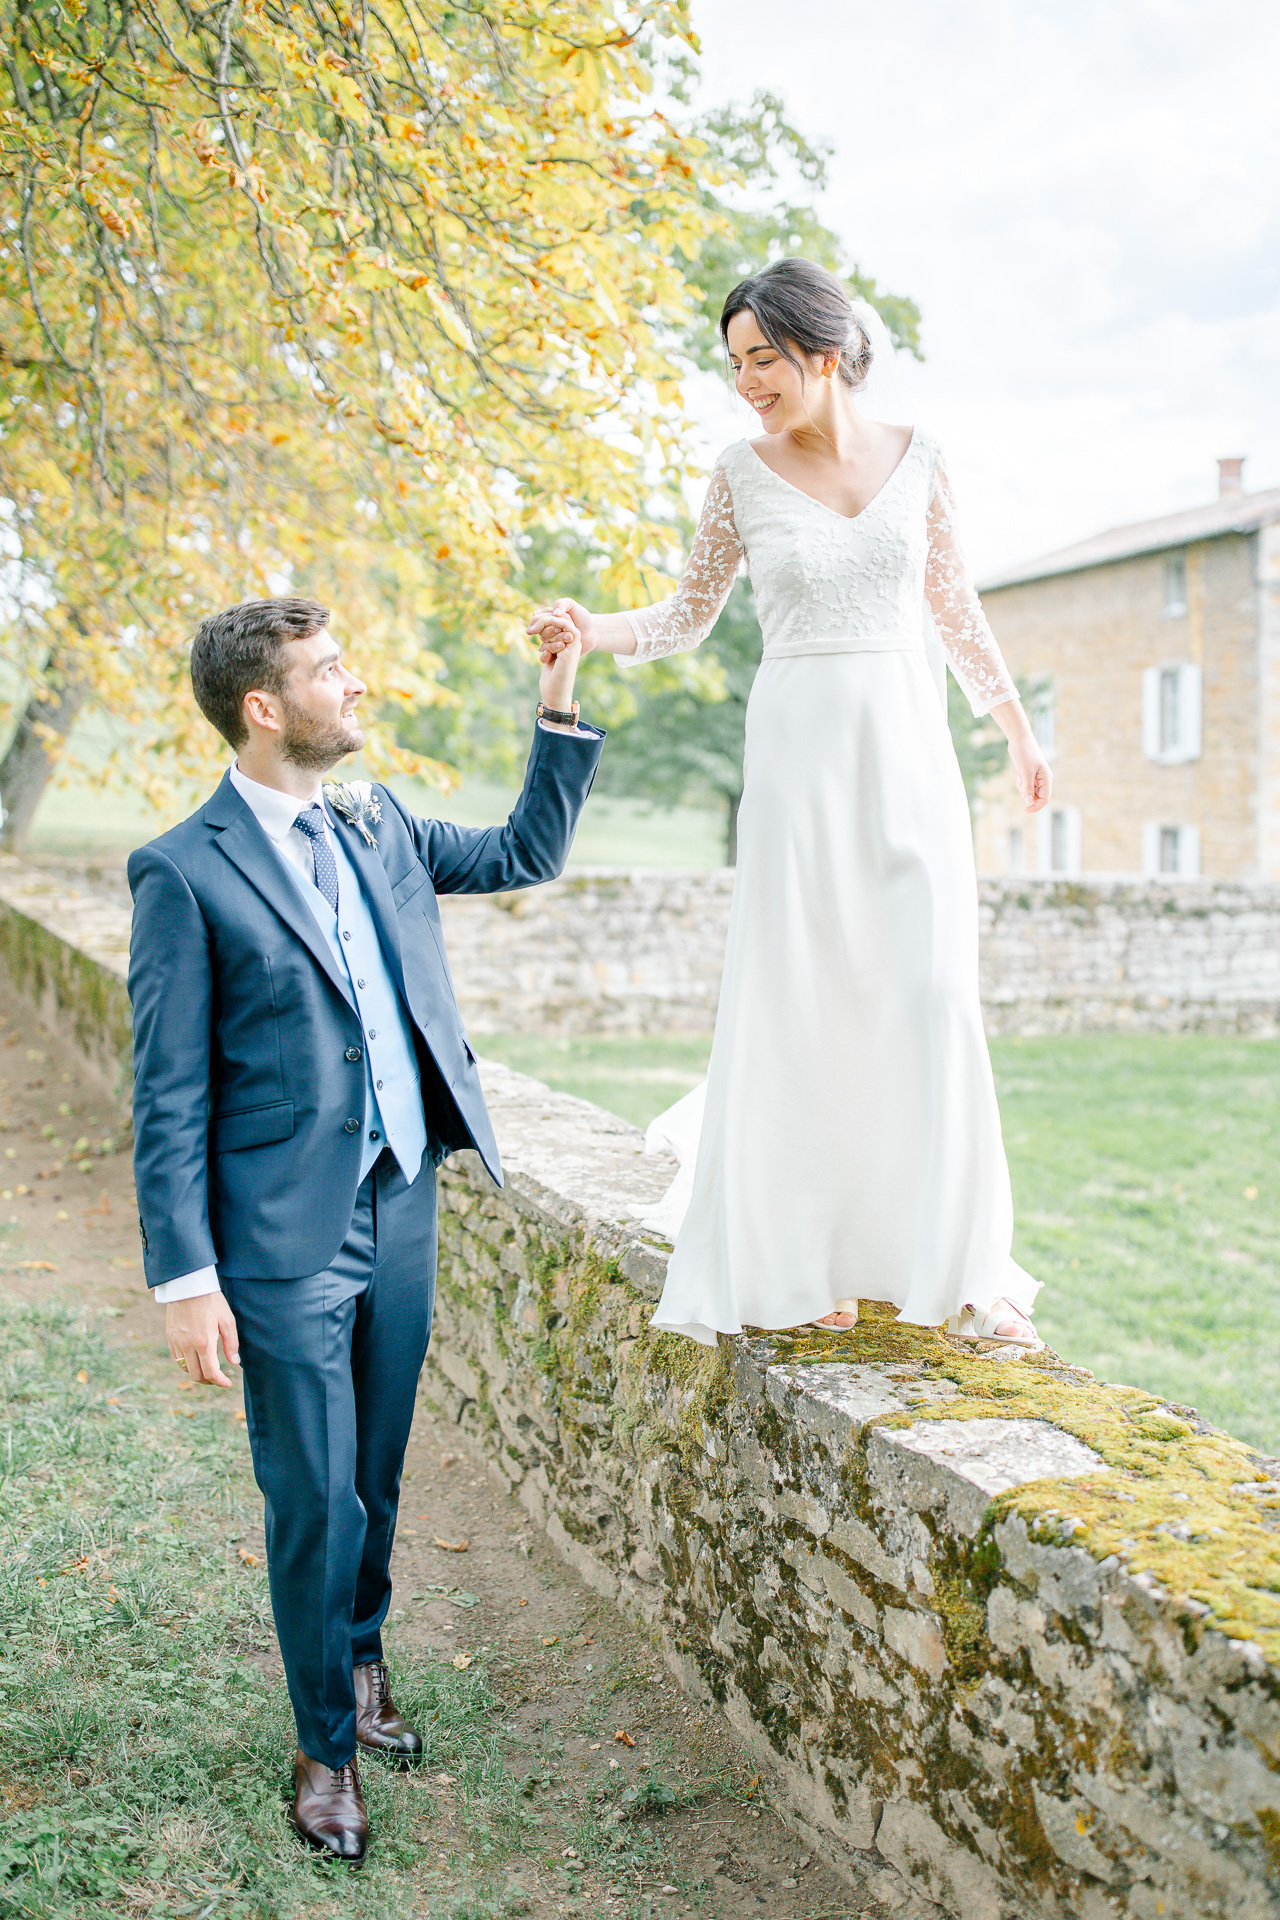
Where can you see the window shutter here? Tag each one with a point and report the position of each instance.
(1151, 712)
(1151, 848)
(1044, 841)
(1188, 852)
(1189, 687)
(1074, 839)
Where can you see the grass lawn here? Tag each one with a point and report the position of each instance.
(1146, 1177)
(145, 1731)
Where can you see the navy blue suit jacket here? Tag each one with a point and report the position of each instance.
(248, 1069)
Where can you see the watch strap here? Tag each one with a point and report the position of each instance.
(557, 717)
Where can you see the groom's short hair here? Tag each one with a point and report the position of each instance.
(239, 649)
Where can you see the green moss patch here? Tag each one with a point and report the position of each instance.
(1170, 1476)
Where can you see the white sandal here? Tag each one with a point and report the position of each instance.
(968, 1324)
(841, 1306)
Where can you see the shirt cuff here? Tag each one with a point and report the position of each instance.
(188, 1286)
(574, 733)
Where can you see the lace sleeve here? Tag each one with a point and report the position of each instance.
(683, 621)
(971, 646)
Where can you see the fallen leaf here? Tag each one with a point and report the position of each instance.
(83, 1377)
(1251, 1193)
(445, 1779)
(245, 1557)
(36, 1266)
(185, 1386)
(524, 1603)
(239, 1414)
(550, 1639)
(462, 1661)
(450, 1546)
(623, 1738)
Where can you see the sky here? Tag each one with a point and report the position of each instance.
(1084, 201)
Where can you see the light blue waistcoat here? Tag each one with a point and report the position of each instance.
(393, 1114)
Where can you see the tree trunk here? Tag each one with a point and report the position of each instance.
(734, 801)
(26, 767)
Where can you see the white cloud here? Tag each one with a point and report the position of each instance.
(1085, 202)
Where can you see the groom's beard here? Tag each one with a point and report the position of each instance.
(315, 745)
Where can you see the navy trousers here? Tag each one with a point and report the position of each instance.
(331, 1365)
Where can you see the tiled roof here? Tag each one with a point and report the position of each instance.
(1238, 513)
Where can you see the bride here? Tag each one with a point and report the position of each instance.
(850, 1143)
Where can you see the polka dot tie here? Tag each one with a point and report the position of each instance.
(311, 822)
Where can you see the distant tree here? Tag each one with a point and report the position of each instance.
(760, 223)
(684, 736)
(685, 740)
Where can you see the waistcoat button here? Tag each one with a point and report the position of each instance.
(355, 1053)
(351, 1126)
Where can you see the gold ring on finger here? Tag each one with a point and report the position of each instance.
(182, 1363)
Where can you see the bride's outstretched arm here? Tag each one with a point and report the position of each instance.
(674, 625)
(971, 646)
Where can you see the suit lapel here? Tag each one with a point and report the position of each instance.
(247, 847)
(368, 863)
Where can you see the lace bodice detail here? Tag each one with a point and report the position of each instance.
(825, 583)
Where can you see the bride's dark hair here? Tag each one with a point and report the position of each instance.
(797, 303)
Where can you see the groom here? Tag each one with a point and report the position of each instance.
(300, 1071)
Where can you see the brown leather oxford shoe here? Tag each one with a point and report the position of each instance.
(380, 1726)
(328, 1808)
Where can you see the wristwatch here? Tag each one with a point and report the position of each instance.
(557, 717)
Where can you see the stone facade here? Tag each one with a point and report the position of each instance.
(1086, 625)
(1004, 1638)
(1092, 635)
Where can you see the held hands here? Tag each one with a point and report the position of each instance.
(558, 626)
(559, 669)
(193, 1327)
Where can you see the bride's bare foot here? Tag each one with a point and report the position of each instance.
(843, 1318)
(1002, 1320)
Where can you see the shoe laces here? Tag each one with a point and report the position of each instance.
(379, 1685)
(342, 1779)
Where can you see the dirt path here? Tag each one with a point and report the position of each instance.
(571, 1674)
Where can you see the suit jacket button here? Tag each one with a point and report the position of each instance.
(354, 1053)
(351, 1126)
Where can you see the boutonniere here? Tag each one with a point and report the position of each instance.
(354, 800)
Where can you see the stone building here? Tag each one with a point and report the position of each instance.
(1152, 653)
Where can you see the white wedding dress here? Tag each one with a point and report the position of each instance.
(849, 1146)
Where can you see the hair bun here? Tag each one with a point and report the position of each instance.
(797, 303)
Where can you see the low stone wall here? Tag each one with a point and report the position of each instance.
(68, 952)
(1005, 1638)
(641, 952)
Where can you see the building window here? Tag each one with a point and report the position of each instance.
(1042, 713)
(1059, 837)
(1014, 854)
(1175, 585)
(1170, 852)
(1171, 714)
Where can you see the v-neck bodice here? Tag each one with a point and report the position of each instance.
(880, 581)
(826, 582)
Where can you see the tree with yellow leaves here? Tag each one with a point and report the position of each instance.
(321, 298)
